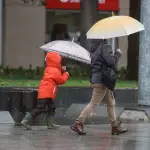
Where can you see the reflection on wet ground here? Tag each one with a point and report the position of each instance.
(98, 138)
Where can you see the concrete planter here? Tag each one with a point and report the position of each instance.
(19, 100)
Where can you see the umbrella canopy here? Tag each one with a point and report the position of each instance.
(115, 26)
(68, 49)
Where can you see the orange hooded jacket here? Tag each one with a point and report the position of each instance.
(53, 76)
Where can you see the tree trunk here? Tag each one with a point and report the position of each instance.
(89, 15)
(88, 10)
(133, 44)
(3, 16)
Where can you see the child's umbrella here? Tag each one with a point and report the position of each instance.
(68, 49)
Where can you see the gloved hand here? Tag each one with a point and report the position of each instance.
(63, 69)
(119, 51)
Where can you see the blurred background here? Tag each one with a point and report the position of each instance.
(26, 25)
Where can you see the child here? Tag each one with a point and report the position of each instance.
(55, 74)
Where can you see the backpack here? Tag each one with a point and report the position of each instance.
(108, 75)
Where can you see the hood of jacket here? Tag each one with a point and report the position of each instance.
(94, 44)
(53, 59)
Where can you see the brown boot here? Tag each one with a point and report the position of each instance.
(117, 128)
(78, 127)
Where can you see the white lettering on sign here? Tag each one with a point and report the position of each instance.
(74, 1)
(77, 1)
(71, 1)
(64, 1)
(102, 1)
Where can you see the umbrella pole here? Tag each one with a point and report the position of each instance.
(113, 40)
(113, 44)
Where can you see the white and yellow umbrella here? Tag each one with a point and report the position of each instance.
(115, 26)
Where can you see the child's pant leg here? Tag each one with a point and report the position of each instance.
(41, 107)
(52, 108)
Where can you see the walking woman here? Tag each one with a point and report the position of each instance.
(101, 57)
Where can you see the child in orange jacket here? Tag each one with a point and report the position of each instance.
(55, 74)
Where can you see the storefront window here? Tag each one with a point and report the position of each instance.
(65, 25)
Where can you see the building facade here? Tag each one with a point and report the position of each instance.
(27, 27)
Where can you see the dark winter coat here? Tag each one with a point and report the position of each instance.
(101, 53)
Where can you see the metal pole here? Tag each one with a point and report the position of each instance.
(144, 56)
(1, 27)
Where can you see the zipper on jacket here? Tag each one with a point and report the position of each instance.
(54, 89)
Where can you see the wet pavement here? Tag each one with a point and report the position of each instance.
(98, 138)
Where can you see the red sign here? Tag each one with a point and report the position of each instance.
(104, 5)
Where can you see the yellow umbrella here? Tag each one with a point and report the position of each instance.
(115, 26)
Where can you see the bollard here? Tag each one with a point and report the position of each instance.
(17, 111)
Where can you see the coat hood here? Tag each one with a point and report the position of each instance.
(94, 44)
(53, 59)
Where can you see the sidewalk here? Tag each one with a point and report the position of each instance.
(98, 138)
